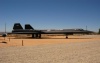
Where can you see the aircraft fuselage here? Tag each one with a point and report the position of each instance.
(18, 29)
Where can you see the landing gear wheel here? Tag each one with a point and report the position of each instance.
(66, 37)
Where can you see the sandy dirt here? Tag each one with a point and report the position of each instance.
(51, 40)
(76, 49)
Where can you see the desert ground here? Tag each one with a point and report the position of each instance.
(17, 41)
(53, 49)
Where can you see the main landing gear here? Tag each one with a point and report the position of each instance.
(66, 36)
(36, 35)
(39, 36)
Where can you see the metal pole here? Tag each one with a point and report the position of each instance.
(5, 27)
(86, 28)
(22, 43)
(9, 39)
(4, 38)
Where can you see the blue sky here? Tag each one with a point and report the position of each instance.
(51, 14)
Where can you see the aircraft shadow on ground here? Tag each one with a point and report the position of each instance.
(63, 38)
(50, 38)
(4, 42)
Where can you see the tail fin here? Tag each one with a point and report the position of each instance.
(17, 26)
(28, 26)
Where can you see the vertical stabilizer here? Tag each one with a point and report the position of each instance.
(17, 26)
(28, 26)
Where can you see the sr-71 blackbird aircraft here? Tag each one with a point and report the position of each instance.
(18, 29)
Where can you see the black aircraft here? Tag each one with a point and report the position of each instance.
(18, 29)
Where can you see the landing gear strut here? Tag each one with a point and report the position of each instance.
(33, 36)
(39, 35)
(66, 36)
(36, 35)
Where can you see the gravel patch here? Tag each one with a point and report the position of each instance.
(74, 52)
